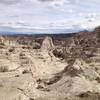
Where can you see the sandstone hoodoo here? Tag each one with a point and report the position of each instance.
(47, 44)
(1, 40)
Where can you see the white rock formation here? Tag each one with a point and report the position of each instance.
(47, 44)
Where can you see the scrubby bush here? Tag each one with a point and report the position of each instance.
(2, 43)
(3, 69)
(58, 53)
(11, 49)
(25, 71)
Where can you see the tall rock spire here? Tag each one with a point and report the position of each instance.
(47, 44)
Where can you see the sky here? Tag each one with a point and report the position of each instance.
(49, 15)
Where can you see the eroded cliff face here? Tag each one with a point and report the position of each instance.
(66, 69)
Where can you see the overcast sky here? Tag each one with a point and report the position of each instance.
(47, 15)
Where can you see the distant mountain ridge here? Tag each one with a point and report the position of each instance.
(44, 31)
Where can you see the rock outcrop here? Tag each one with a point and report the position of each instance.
(1, 40)
(47, 44)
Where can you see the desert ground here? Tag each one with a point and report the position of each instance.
(47, 68)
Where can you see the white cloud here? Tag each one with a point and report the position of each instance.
(49, 14)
